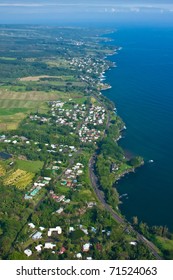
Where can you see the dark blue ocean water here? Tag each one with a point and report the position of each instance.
(142, 89)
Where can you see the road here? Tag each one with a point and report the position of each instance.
(116, 217)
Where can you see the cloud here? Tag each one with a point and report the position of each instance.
(95, 6)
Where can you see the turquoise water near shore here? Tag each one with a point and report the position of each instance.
(142, 89)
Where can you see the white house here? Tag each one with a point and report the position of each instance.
(37, 235)
(28, 252)
(49, 245)
(39, 248)
(57, 229)
(86, 247)
(31, 225)
(79, 255)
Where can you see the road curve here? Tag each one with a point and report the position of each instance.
(117, 218)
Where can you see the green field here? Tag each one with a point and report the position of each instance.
(29, 166)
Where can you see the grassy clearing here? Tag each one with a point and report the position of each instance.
(19, 178)
(29, 166)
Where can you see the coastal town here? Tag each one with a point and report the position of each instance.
(60, 163)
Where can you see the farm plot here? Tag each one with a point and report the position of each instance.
(19, 178)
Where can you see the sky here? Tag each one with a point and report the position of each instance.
(45, 11)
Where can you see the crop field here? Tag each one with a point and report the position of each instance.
(19, 178)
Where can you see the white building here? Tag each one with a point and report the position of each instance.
(49, 245)
(28, 252)
(57, 229)
(37, 235)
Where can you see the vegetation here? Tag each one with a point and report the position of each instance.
(53, 119)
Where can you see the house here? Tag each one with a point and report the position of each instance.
(31, 225)
(134, 243)
(60, 210)
(28, 252)
(39, 247)
(67, 201)
(93, 229)
(63, 183)
(47, 178)
(41, 228)
(37, 235)
(71, 229)
(91, 204)
(114, 167)
(57, 229)
(60, 198)
(86, 247)
(79, 256)
(85, 231)
(69, 184)
(49, 245)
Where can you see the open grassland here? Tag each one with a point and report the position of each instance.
(29, 166)
(19, 178)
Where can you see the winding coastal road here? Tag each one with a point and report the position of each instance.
(116, 217)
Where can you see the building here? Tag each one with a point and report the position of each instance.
(79, 256)
(86, 247)
(28, 252)
(49, 245)
(37, 235)
(31, 225)
(57, 229)
(39, 248)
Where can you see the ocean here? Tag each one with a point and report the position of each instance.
(142, 89)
